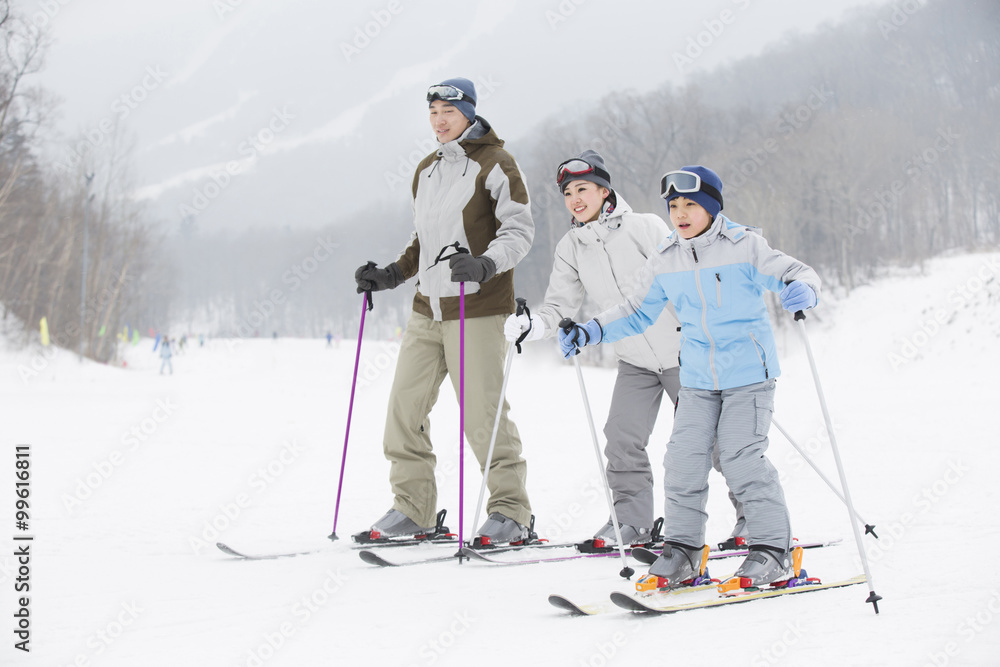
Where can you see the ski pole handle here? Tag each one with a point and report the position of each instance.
(799, 315)
(522, 307)
(566, 324)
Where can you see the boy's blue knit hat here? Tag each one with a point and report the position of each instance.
(707, 201)
(467, 105)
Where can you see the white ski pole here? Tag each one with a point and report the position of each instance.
(873, 598)
(869, 528)
(521, 307)
(567, 325)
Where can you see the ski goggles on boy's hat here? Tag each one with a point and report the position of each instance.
(686, 182)
(447, 93)
(578, 167)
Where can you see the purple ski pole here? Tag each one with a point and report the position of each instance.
(461, 413)
(366, 305)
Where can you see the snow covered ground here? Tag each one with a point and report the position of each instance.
(135, 476)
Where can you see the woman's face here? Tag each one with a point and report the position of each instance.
(447, 121)
(584, 200)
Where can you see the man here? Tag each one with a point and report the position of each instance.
(471, 192)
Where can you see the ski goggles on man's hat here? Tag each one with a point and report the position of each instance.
(686, 182)
(578, 167)
(447, 93)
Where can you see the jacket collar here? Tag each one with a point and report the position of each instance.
(721, 226)
(476, 134)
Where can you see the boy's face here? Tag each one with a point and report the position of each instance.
(688, 217)
(447, 121)
(584, 200)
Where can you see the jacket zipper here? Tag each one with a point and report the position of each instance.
(760, 354)
(718, 290)
(704, 323)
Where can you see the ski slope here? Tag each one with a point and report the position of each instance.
(135, 476)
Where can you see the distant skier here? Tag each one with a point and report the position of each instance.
(605, 246)
(329, 339)
(165, 354)
(469, 190)
(714, 272)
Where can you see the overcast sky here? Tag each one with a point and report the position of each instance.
(314, 93)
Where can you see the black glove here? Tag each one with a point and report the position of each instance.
(371, 278)
(465, 268)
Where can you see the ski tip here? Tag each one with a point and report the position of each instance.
(628, 602)
(226, 549)
(373, 558)
(560, 602)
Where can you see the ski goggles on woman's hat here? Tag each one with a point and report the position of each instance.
(686, 182)
(578, 167)
(446, 93)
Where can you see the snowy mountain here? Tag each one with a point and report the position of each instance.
(134, 476)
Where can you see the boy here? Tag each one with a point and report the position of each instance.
(714, 271)
(606, 243)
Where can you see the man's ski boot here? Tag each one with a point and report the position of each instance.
(395, 526)
(499, 529)
(678, 566)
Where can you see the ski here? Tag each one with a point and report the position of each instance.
(575, 609)
(242, 555)
(644, 554)
(637, 604)
(367, 540)
(373, 558)
(564, 603)
(478, 553)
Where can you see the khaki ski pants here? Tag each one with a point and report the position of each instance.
(429, 352)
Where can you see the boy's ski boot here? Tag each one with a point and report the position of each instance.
(679, 565)
(767, 566)
(605, 539)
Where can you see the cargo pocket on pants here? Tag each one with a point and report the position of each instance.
(764, 404)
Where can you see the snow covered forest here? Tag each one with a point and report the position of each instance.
(864, 144)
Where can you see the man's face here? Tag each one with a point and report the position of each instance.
(447, 121)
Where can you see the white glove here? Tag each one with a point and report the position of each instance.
(518, 324)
